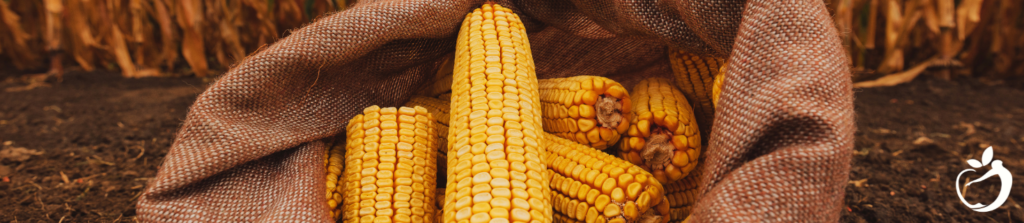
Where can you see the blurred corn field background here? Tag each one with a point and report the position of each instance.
(891, 42)
(888, 41)
(145, 38)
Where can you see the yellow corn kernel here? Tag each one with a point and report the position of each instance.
(596, 109)
(591, 186)
(663, 137)
(391, 162)
(716, 89)
(695, 76)
(334, 163)
(496, 171)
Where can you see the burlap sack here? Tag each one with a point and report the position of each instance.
(249, 149)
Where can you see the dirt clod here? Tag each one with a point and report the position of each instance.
(18, 154)
(5, 170)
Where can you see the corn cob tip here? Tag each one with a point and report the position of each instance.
(590, 110)
(609, 111)
(663, 136)
(651, 217)
(657, 153)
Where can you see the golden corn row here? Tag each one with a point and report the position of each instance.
(716, 89)
(695, 76)
(663, 137)
(592, 186)
(496, 171)
(439, 109)
(682, 195)
(590, 110)
(333, 162)
(390, 157)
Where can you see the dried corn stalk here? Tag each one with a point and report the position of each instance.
(148, 38)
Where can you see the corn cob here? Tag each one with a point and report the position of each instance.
(390, 158)
(590, 110)
(439, 109)
(334, 159)
(445, 97)
(592, 186)
(663, 136)
(716, 89)
(496, 172)
(695, 77)
(440, 86)
(441, 82)
(682, 195)
(561, 218)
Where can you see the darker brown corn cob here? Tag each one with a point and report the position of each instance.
(695, 76)
(681, 196)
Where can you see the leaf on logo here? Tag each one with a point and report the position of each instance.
(974, 163)
(986, 157)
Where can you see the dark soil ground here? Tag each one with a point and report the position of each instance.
(914, 139)
(100, 138)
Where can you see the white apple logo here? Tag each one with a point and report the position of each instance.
(997, 170)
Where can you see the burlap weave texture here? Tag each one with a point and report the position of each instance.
(249, 149)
